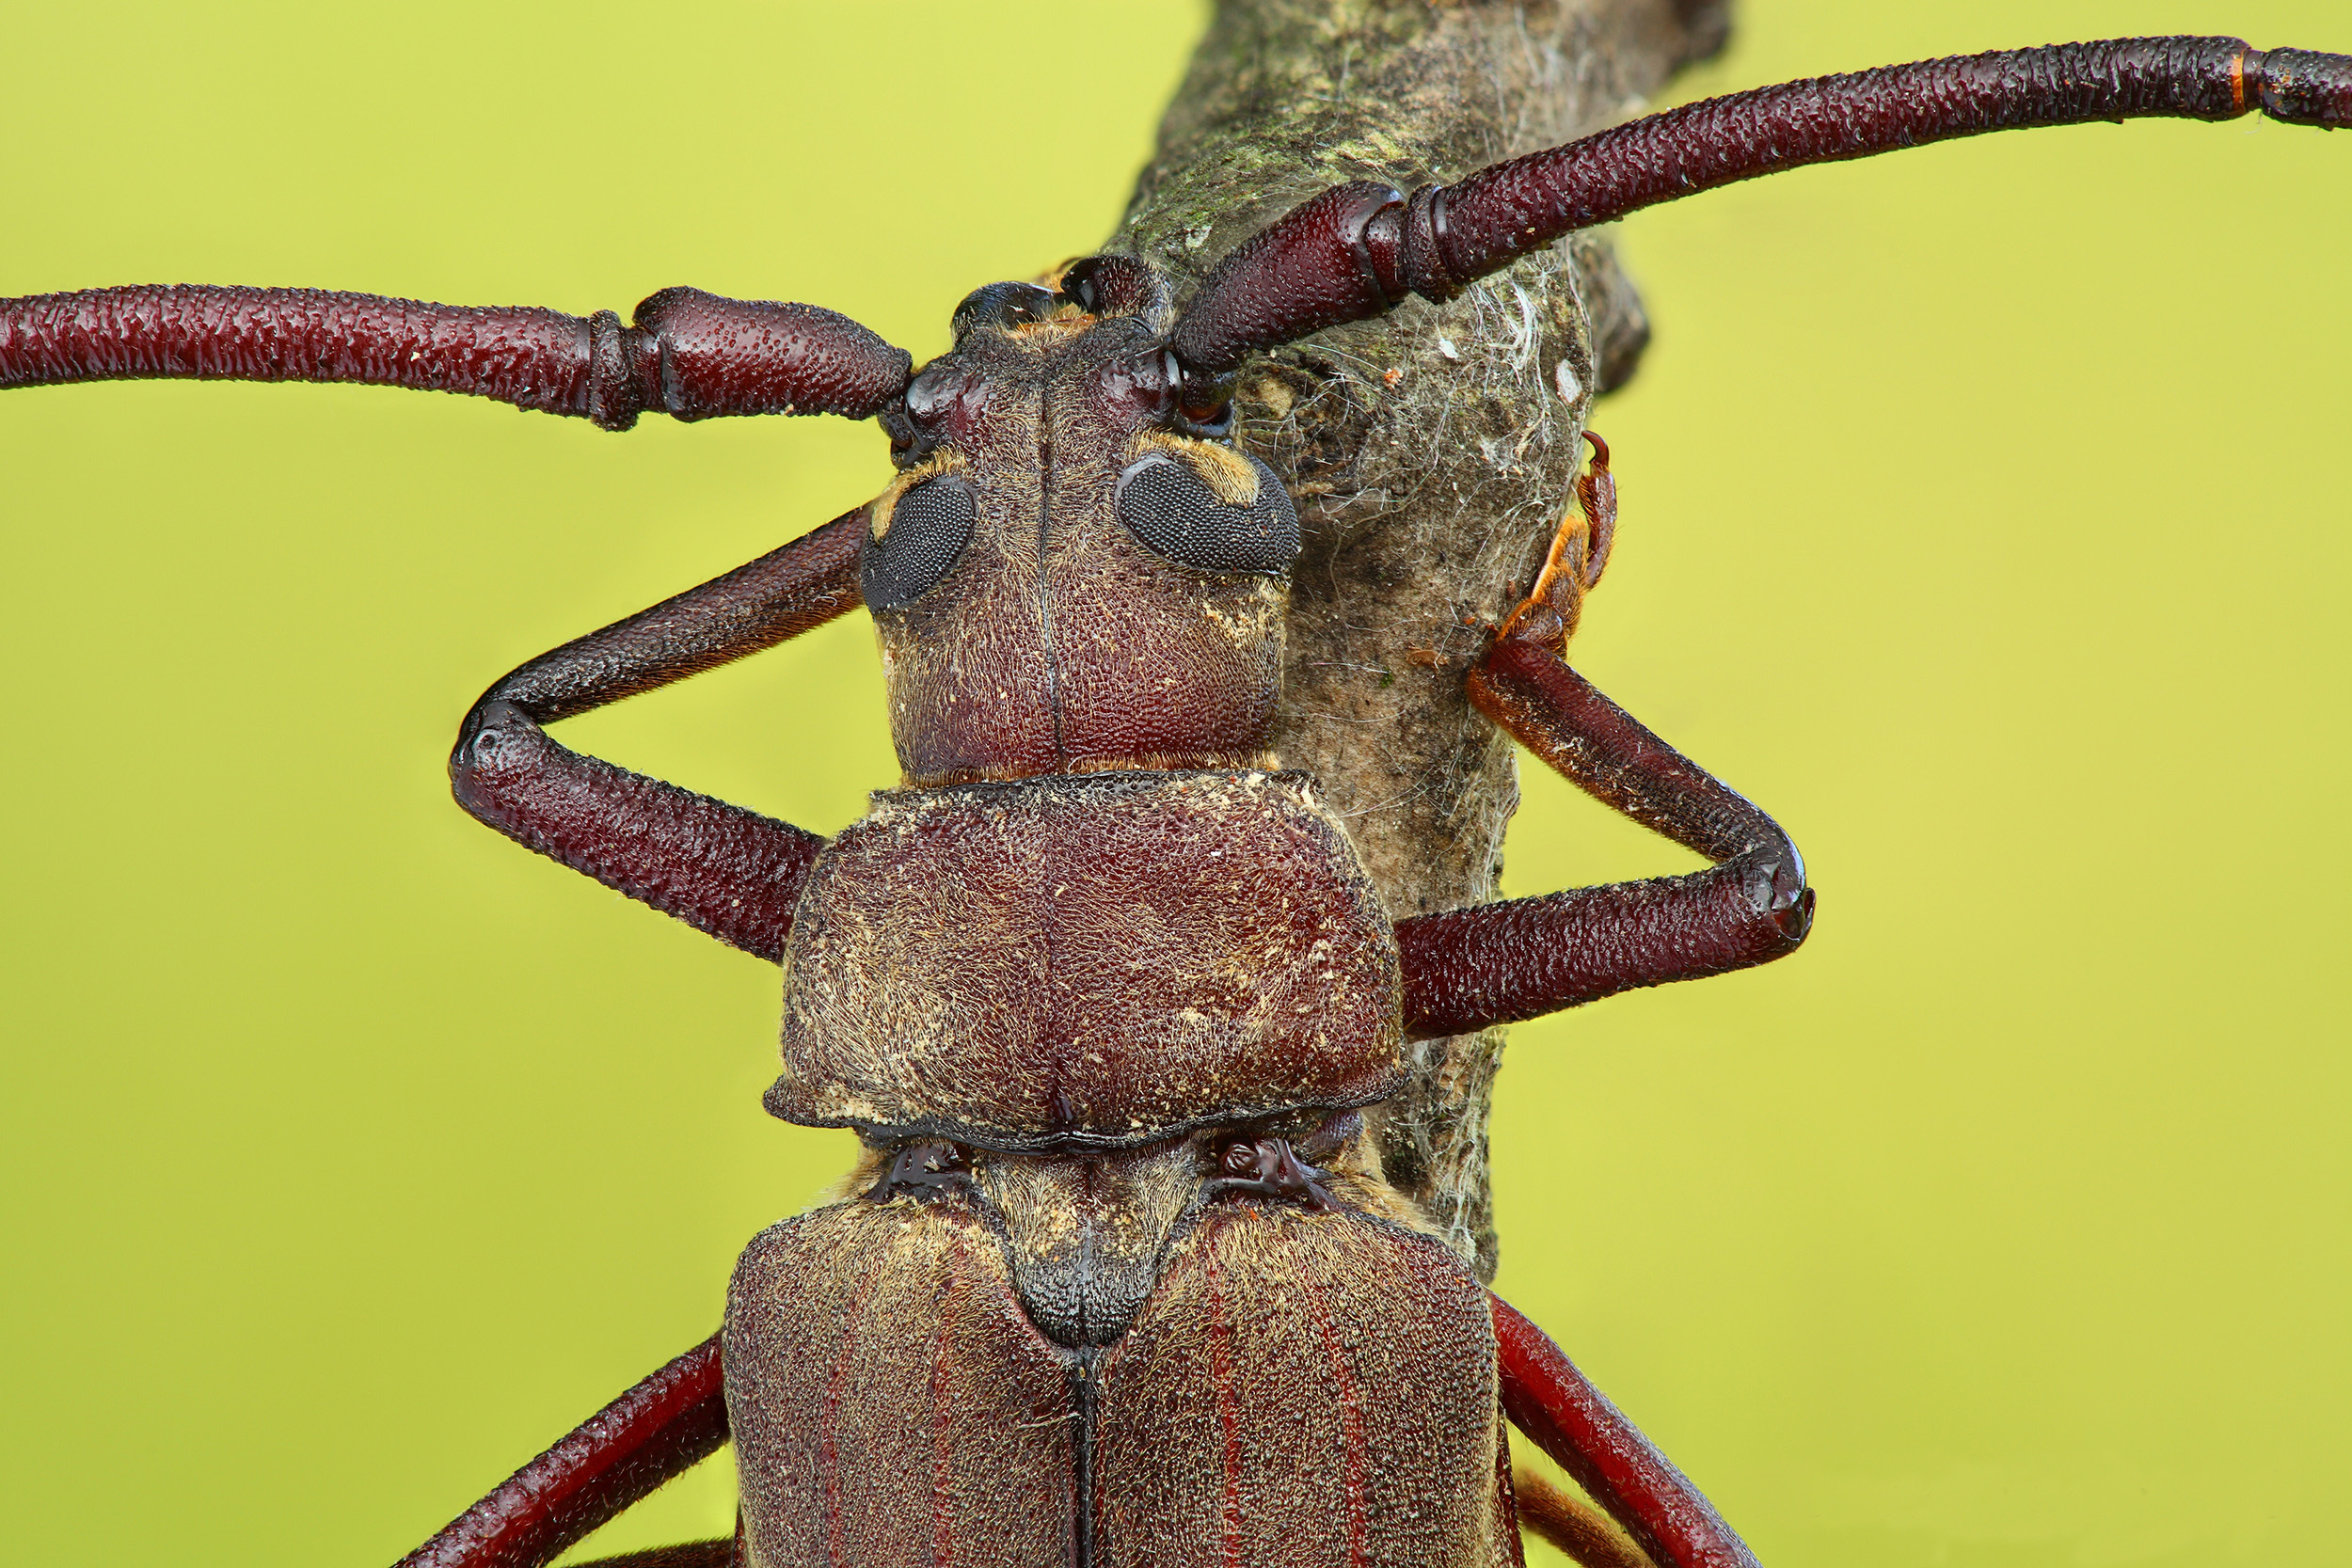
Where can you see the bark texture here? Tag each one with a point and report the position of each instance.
(1431, 452)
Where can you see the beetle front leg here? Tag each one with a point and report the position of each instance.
(719, 868)
(1520, 959)
(722, 869)
(1497, 964)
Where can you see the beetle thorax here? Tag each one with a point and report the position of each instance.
(1065, 578)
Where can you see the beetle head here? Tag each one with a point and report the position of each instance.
(1074, 571)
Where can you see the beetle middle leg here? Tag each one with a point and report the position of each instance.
(669, 1422)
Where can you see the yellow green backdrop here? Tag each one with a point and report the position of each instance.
(1985, 519)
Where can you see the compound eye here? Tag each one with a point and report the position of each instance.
(1242, 523)
(1003, 304)
(917, 541)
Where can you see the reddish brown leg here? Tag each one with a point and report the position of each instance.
(1497, 964)
(719, 868)
(690, 355)
(1589, 1537)
(722, 1553)
(1548, 1399)
(1494, 963)
(658, 1430)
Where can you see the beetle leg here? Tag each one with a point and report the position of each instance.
(1586, 1535)
(1550, 1401)
(658, 1430)
(719, 868)
(725, 1552)
(1579, 554)
(784, 593)
(1522, 958)
(690, 353)
(1494, 963)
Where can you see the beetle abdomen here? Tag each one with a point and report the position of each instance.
(1100, 959)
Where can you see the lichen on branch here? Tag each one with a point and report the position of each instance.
(1431, 452)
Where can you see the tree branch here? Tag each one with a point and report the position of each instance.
(1431, 452)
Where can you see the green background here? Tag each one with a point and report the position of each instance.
(1985, 514)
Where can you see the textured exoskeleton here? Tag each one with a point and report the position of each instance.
(1119, 1279)
(1100, 993)
(1099, 1358)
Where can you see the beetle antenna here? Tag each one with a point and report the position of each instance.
(1357, 250)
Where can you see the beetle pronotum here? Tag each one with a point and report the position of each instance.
(565, 617)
